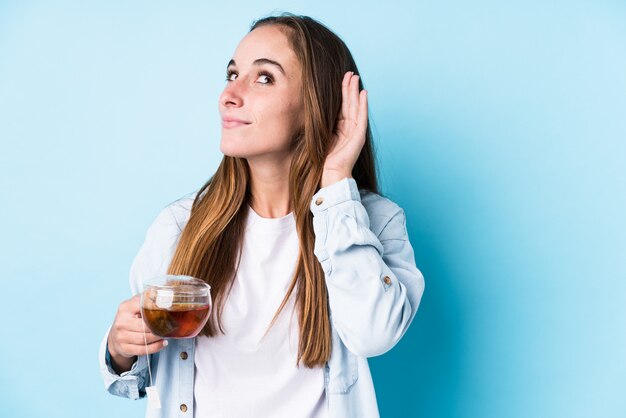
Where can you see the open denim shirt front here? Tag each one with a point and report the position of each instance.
(374, 290)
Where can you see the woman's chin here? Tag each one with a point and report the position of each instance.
(232, 151)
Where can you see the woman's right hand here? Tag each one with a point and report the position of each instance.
(126, 338)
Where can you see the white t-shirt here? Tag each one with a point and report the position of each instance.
(242, 373)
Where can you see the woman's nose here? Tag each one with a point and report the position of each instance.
(232, 96)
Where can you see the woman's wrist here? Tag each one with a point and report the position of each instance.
(118, 362)
(122, 364)
(330, 177)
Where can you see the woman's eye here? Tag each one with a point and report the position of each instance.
(231, 76)
(264, 79)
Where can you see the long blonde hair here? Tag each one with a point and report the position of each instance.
(210, 244)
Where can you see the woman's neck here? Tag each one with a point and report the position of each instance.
(269, 187)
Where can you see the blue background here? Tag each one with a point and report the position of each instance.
(500, 128)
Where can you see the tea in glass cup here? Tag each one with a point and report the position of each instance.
(175, 306)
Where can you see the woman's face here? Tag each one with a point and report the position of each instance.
(261, 106)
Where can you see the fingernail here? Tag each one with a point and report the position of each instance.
(165, 343)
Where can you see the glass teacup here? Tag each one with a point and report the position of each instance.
(175, 306)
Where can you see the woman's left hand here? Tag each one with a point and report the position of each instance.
(349, 135)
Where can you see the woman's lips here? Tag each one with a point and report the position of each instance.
(233, 123)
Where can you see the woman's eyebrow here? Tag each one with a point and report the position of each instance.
(261, 61)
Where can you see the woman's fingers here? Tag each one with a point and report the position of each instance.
(131, 306)
(129, 322)
(123, 335)
(130, 350)
(345, 104)
(350, 131)
(349, 96)
(128, 344)
(362, 121)
(129, 334)
(136, 325)
(353, 98)
(137, 338)
(135, 334)
(353, 103)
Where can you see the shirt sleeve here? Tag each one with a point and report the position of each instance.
(152, 260)
(374, 286)
(130, 384)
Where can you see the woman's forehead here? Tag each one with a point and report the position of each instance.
(266, 42)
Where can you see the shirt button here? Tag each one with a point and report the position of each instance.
(387, 280)
(319, 201)
(183, 407)
(183, 355)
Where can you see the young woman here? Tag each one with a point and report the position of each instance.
(311, 270)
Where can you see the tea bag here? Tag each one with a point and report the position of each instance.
(164, 299)
(162, 322)
(153, 397)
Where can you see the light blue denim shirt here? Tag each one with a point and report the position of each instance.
(374, 290)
